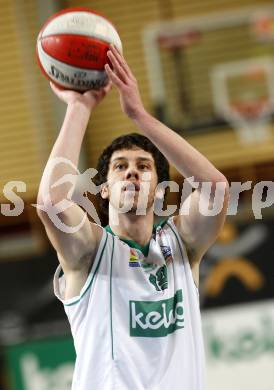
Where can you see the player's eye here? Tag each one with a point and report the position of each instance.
(120, 166)
(144, 166)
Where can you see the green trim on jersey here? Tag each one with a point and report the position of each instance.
(134, 244)
(179, 244)
(182, 254)
(110, 298)
(93, 276)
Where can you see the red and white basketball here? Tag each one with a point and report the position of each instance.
(72, 48)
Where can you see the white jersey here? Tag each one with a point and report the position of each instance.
(136, 324)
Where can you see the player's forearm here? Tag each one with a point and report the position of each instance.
(67, 146)
(187, 160)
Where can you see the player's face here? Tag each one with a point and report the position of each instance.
(132, 179)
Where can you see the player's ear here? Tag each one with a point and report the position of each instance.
(104, 191)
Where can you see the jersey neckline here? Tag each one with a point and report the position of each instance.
(133, 244)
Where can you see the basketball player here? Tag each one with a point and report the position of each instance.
(130, 290)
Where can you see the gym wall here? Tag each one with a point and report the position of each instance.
(31, 116)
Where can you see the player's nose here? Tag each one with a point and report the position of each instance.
(132, 172)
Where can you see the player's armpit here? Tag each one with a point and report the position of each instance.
(75, 244)
(199, 228)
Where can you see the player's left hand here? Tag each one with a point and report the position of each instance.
(90, 98)
(122, 77)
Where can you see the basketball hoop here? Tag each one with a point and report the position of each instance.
(251, 118)
(263, 27)
(180, 40)
(243, 94)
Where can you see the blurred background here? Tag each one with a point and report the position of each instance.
(205, 68)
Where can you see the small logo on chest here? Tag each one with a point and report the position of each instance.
(134, 260)
(159, 280)
(157, 274)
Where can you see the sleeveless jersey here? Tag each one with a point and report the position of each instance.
(136, 324)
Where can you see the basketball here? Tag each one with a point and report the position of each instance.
(72, 48)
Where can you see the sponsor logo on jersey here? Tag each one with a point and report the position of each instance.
(137, 259)
(134, 260)
(156, 318)
(159, 280)
(166, 251)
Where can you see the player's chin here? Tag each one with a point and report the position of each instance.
(137, 208)
(137, 211)
(131, 202)
(128, 207)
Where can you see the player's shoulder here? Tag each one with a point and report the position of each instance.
(169, 224)
(97, 230)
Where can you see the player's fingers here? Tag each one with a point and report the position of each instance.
(57, 91)
(93, 94)
(121, 60)
(108, 87)
(113, 77)
(56, 88)
(118, 54)
(117, 66)
(103, 91)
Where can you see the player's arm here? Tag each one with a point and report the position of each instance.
(75, 249)
(198, 231)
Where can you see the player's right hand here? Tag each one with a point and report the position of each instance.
(89, 98)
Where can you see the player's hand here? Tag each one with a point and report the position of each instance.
(122, 77)
(89, 98)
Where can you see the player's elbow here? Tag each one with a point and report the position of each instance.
(220, 191)
(220, 182)
(44, 204)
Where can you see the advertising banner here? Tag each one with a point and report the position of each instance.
(239, 344)
(41, 365)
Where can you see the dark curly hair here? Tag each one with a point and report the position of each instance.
(128, 141)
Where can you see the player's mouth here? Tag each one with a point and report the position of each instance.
(131, 187)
